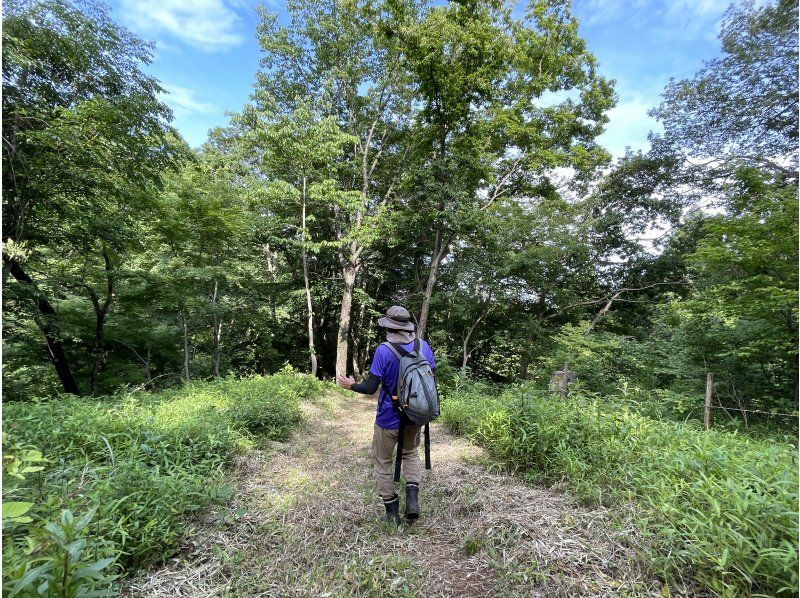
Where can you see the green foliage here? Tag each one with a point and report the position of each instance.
(71, 569)
(741, 107)
(600, 359)
(721, 505)
(135, 465)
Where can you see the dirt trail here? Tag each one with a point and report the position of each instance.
(305, 522)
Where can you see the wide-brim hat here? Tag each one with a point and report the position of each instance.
(397, 318)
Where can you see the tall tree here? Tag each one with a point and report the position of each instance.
(298, 153)
(83, 134)
(334, 52)
(740, 109)
(482, 132)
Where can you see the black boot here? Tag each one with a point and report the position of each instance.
(392, 509)
(412, 500)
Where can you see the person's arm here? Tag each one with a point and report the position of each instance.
(370, 385)
(428, 353)
(367, 387)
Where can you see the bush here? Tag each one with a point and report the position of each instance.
(139, 463)
(724, 506)
(600, 359)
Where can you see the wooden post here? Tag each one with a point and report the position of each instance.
(709, 389)
(565, 381)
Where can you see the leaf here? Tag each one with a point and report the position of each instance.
(12, 510)
(75, 548)
(93, 570)
(31, 576)
(31, 469)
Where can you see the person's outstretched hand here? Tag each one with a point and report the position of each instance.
(345, 381)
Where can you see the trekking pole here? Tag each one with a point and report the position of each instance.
(399, 459)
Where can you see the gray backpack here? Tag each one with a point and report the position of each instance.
(417, 397)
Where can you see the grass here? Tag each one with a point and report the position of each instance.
(138, 464)
(721, 506)
(307, 523)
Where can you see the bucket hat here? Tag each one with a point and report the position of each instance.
(397, 318)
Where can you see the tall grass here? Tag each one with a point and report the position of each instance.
(139, 462)
(721, 506)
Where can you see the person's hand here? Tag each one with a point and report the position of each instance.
(345, 381)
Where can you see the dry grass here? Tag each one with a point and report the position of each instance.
(305, 522)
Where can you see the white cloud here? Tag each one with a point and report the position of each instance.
(183, 101)
(686, 10)
(629, 125)
(679, 18)
(606, 11)
(693, 18)
(209, 25)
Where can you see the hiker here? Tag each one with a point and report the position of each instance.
(401, 341)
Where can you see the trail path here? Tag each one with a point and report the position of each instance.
(305, 522)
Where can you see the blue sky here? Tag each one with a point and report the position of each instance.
(206, 54)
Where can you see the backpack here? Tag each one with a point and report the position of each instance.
(417, 397)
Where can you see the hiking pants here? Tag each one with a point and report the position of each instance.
(383, 443)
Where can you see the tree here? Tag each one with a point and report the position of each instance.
(480, 134)
(740, 109)
(298, 153)
(747, 287)
(84, 137)
(334, 52)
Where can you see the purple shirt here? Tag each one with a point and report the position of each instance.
(386, 366)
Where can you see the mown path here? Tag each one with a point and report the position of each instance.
(305, 522)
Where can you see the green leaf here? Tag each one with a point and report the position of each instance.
(15, 509)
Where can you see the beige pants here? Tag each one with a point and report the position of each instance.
(383, 443)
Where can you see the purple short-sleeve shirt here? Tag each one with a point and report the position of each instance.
(386, 366)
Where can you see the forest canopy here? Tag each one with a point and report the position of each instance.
(400, 152)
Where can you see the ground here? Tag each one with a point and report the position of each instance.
(305, 522)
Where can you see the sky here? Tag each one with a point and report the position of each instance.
(206, 55)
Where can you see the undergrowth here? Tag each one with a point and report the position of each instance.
(720, 506)
(131, 468)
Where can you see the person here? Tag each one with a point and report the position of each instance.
(383, 371)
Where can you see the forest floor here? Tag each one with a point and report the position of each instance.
(305, 522)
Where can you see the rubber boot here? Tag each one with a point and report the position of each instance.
(412, 500)
(392, 509)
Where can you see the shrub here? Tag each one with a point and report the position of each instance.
(139, 463)
(722, 505)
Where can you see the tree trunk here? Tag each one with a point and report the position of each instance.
(216, 330)
(469, 332)
(525, 359)
(357, 368)
(439, 253)
(349, 273)
(271, 269)
(185, 346)
(48, 324)
(308, 289)
(707, 407)
(603, 312)
(100, 319)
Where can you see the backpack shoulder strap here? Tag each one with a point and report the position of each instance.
(417, 347)
(393, 349)
(396, 348)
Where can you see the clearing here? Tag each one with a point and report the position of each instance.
(305, 522)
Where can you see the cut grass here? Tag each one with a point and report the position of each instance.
(324, 537)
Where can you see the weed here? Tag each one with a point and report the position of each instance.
(134, 465)
(723, 506)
